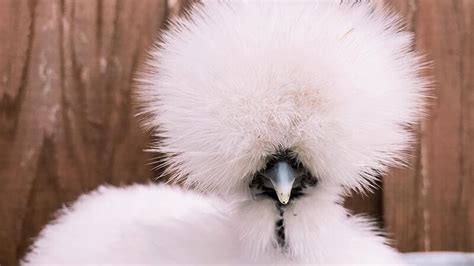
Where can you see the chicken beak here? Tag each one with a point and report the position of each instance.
(282, 177)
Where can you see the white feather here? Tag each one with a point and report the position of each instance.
(335, 83)
(338, 84)
(160, 224)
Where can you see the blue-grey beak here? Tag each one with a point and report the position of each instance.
(282, 176)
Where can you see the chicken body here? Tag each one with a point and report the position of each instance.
(160, 224)
(272, 110)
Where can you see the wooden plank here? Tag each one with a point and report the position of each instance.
(403, 201)
(369, 204)
(66, 121)
(428, 208)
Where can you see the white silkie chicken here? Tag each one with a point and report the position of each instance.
(268, 112)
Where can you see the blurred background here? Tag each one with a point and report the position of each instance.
(67, 120)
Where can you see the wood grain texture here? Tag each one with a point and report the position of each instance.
(66, 121)
(369, 204)
(430, 207)
(67, 124)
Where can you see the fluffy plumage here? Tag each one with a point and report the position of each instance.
(337, 84)
(160, 224)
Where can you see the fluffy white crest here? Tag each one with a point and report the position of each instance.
(337, 84)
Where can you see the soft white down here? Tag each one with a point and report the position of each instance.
(335, 83)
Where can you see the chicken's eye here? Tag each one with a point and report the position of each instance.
(308, 180)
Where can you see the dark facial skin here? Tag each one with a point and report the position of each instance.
(261, 185)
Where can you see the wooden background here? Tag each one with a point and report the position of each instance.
(67, 125)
